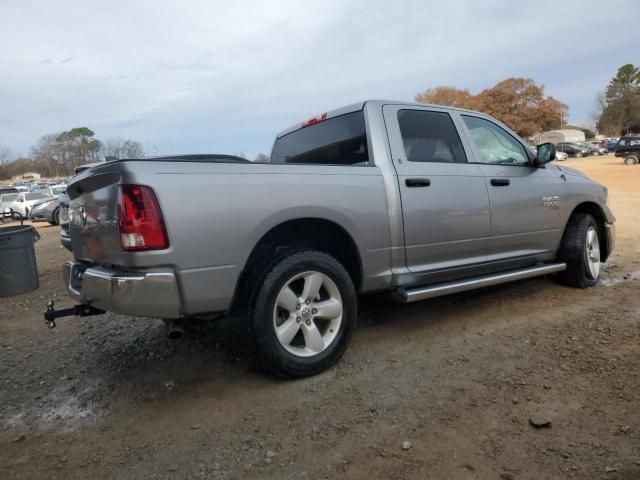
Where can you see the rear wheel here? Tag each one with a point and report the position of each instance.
(580, 250)
(579, 155)
(304, 314)
(631, 160)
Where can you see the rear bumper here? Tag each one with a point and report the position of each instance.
(148, 294)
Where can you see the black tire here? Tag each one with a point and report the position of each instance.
(573, 252)
(579, 155)
(631, 160)
(270, 351)
(55, 217)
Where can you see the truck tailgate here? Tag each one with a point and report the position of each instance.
(93, 215)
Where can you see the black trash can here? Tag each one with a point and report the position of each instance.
(18, 267)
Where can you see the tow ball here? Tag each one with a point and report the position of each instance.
(81, 310)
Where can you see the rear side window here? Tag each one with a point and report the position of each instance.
(337, 141)
(430, 137)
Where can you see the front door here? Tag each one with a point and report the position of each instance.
(526, 225)
(445, 205)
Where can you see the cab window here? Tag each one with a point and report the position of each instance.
(494, 145)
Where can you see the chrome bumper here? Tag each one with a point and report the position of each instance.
(153, 294)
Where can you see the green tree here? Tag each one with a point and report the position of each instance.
(621, 110)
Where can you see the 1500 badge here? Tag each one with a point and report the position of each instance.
(552, 201)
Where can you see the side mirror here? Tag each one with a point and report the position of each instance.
(546, 153)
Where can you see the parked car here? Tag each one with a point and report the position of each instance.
(573, 149)
(23, 203)
(7, 196)
(561, 156)
(412, 199)
(47, 210)
(58, 189)
(63, 219)
(595, 147)
(629, 148)
(610, 145)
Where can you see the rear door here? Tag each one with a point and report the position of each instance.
(526, 224)
(445, 205)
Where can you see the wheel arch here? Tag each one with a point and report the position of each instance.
(291, 235)
(596, 211)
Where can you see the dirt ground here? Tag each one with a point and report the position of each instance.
(458, 377)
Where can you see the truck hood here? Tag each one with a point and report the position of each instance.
(571, 171)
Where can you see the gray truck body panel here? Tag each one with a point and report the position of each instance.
(216, 213)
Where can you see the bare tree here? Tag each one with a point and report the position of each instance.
(262, 158)
(5, 154)
(119, 147)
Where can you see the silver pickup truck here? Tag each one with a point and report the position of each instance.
(412, 199)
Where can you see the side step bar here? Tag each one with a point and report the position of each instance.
(437, 290)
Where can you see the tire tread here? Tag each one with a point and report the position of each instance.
(572, 252)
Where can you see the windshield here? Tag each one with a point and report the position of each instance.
(9, 197)
(35, 196)
(58, 190)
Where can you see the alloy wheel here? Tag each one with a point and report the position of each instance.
(307, 314)
(593, 253)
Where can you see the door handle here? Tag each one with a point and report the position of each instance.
(500, 182)
(417, 182)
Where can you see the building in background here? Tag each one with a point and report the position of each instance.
(557, 136)
(26, 177)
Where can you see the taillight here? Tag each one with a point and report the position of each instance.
(314, 120)
(140, 220)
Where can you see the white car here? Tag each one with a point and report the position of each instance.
(23, 203)
(561, 156)
(5, 202)
(56, 190)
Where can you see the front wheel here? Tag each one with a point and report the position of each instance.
(580, 250)
(304, 314)
(631, 160)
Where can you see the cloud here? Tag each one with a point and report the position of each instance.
(207, 76)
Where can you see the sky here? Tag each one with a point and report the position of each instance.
(204, 76)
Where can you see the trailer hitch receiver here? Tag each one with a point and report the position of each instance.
(81, 310)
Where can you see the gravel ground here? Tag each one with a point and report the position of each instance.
(439, 389)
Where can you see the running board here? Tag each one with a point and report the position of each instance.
(430, 291)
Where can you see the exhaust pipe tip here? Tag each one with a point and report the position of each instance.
(175, 331)
(175, 334)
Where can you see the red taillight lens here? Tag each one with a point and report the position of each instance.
(140, 219)
(314, 120)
